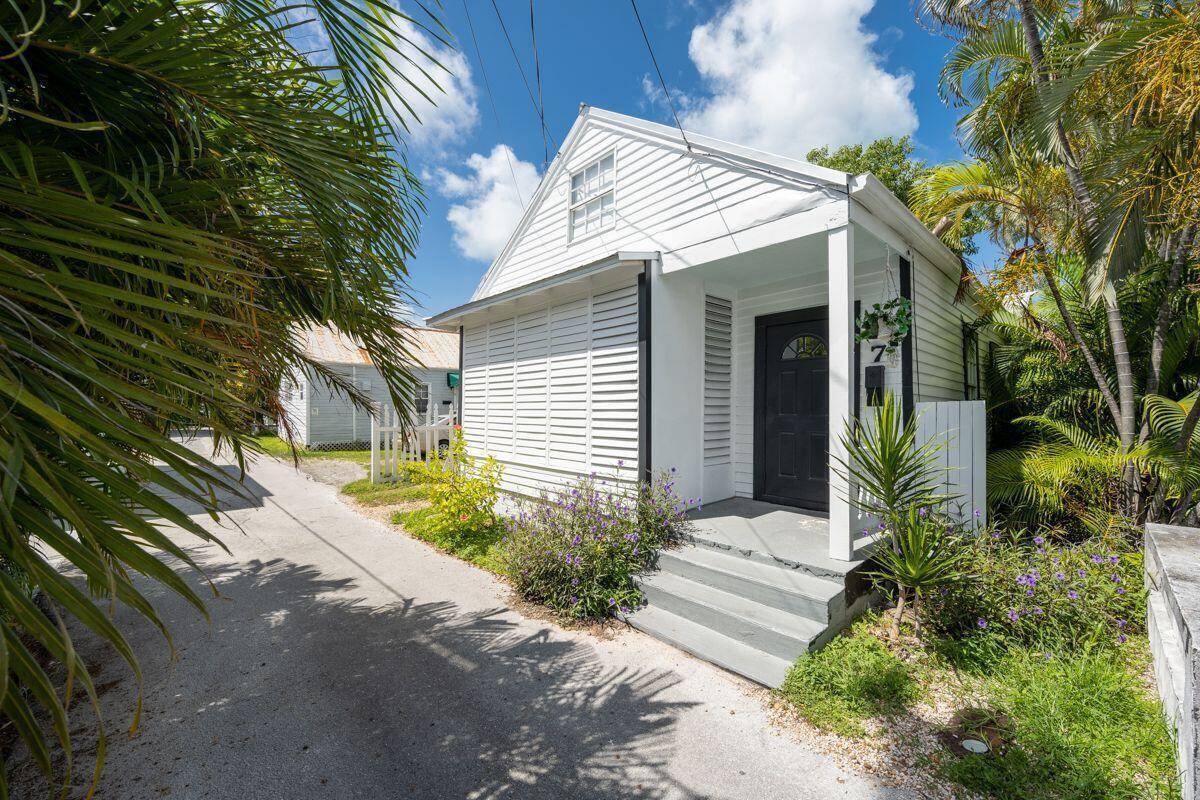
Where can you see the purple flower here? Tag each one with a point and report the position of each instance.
(1037, 610)
(624, 609)
(977, 513)
(923, 512)
(612, 601)
(1120, 590)
(1120, 623)
(574, 581)
(1097, 559)
(1122, 639)
(981, 622)
(1039, 540)
(1115, 578)
(1058, 576)
(1073, 595)
(1029, 592)
(1013, 615)
(574, 600)
(1113, 559)
(577, 540)
(1081, 572)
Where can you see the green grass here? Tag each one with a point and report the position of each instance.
(1080, 725)
(853, 678)
(275, 446)
(481, 550)
(385, 494)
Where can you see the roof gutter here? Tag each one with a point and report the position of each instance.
(605, 270)
(885, 206)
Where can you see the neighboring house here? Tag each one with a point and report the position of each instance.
(321, 418)
(690, 304)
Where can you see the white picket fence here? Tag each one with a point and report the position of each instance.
(961, 427)
(396, 442)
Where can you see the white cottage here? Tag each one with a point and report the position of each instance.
(686, 303)
(321, 418)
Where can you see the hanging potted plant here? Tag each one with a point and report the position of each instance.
(886, 323)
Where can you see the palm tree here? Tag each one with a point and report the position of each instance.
(1102, 92)
(180, 186)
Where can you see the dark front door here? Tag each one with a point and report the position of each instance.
(792, 406)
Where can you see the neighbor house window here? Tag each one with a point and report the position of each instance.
(593, 204)
(421, 397)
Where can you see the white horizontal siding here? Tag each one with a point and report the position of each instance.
(937, 334)
(293, 396)
(553, 393)
(665, 199)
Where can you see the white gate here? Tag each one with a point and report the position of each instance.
(961, 427)
(396, 442)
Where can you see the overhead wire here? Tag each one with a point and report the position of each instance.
(537, 71)
(492, 101)
(520, 68)
(662, 82)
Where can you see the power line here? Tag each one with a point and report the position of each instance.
(537, 69)
(492, 100)
(512, 48)
(662, 82)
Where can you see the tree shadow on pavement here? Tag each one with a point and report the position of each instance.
(300, 689)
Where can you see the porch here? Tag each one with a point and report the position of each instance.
(755, 373)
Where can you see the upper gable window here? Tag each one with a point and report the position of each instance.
(592, 196)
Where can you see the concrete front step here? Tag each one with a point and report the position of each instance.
(716, 648)
(780, 633)
(775, 585)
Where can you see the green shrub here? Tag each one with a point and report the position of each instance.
(577, 552)
(1058, 597)
(854, 677)
(461, 516)
(1081, 727)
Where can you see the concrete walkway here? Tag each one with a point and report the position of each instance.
(344, 660)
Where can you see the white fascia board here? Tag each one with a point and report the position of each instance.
(873, 204)
(789, 167)
(597, 275)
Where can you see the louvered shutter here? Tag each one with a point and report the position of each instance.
(718, 385)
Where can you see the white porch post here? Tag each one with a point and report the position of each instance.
(841, 385)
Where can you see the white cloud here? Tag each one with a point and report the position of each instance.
(453, 113)
(492, 196)
(789, 75)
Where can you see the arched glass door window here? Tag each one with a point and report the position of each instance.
(804, 346)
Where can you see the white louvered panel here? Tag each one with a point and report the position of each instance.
(718, 380)
(530, 403)
(474, 388)
(569, 379)
(614, 415)
(500, 383)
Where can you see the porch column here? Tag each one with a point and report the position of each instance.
(841, 385)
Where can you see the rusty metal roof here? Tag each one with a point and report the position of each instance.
(430, 348)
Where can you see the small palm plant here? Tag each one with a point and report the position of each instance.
(896, 480)
(924, 554)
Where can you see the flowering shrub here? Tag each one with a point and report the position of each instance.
(577, 552)
(462, 494)
(1054, 596)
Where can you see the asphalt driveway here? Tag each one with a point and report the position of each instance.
(344, 660)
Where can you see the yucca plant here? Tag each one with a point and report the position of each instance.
(923, 554)
(896, 480)
(180, 187)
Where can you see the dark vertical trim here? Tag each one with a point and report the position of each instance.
(857, 345)
(645, 463)
(906, 347)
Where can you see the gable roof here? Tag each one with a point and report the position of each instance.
(431, 348)
(800, 171)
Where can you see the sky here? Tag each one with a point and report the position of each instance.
(780, 75)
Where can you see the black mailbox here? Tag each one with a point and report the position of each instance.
(875, 385)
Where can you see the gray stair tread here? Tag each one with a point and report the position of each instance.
(785, 622)
(707, 644)
(780, 576)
